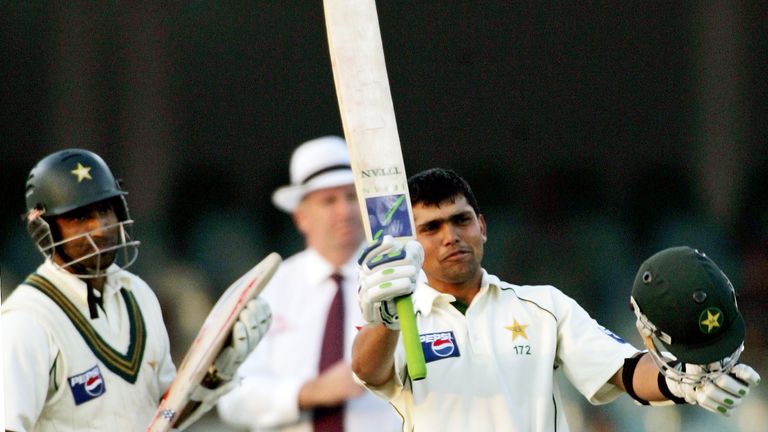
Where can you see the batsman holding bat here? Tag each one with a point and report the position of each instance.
(84, 345)
(492, 348)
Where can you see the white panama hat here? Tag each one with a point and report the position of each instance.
(316, 164)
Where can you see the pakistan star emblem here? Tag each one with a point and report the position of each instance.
(82, 172)
(711, 322)
(517, 329)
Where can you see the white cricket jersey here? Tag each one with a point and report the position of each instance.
(300, 294)
(63, 371)
(494, 369)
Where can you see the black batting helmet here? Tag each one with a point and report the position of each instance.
(67, 180)
(70, 179)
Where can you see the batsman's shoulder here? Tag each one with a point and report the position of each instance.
(532, 292)
(542, 296)
(23, 297)
(135, 284)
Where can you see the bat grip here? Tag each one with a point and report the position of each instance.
(414, 355)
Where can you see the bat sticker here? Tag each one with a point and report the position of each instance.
(388, 214)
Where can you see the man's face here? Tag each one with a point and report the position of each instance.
(330, 221)
(94, 220)
(452, 236)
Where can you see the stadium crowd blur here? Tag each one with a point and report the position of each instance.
(594, 136)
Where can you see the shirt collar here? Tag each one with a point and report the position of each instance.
(76, 288)
(425, 297)
(319, 269)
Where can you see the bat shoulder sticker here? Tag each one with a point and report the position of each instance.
(388, 215)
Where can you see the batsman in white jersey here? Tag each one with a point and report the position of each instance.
(492, 348)
(84, 345)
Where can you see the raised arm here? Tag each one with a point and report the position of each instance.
(686, 312)
(387, 270)
(373, 354)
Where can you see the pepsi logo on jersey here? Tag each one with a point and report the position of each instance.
(440, 345)
(87, 385)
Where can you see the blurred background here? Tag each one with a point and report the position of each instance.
(593, 133)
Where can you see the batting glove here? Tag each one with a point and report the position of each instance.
(251, 326)
(721, 395)
(386, 271)
(205, 399)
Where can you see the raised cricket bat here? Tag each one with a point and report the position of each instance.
(215, 331)
(368, 117)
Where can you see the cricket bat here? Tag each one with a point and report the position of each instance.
(215, 331)
(370, 129)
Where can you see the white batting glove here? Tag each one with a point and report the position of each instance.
(251, 326)
(386, 271)
(207, 399)
(721, 395)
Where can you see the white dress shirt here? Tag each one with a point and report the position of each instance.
(300, 295)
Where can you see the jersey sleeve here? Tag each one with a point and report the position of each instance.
(588, 353)
(27, 358)
(153, 313)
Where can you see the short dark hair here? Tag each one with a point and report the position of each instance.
(437, 185)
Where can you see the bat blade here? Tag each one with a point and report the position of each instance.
(368, 116)
(370, 128)
(209, 341)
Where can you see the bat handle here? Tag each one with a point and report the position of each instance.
(414, 355)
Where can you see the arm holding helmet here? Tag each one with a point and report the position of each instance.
(686, 314)
(721, 393)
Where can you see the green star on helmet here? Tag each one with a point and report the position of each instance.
(710, 320)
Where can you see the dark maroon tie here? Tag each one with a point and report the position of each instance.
(331, 419)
